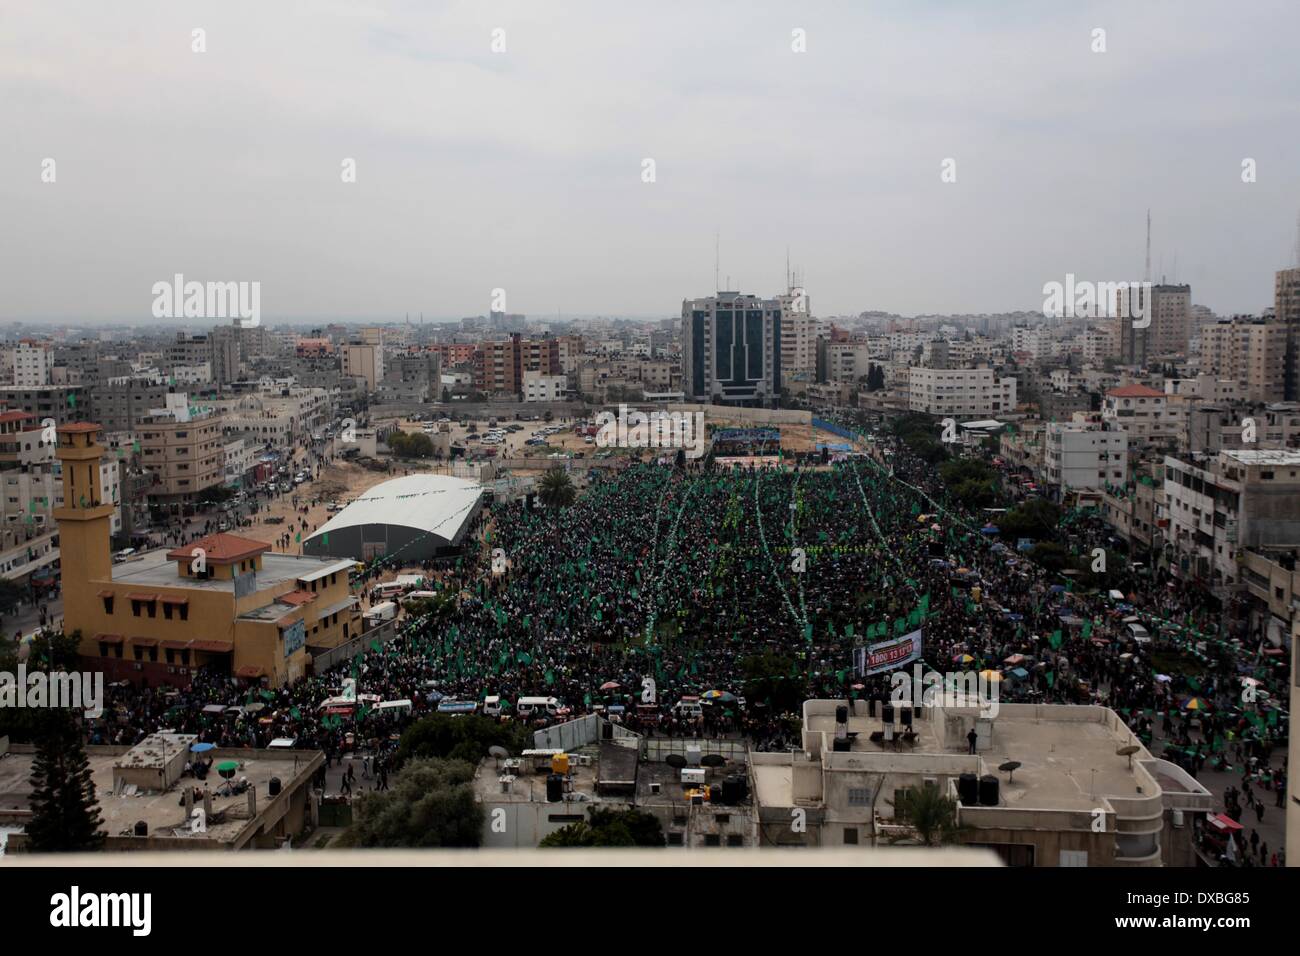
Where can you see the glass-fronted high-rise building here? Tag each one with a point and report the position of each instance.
(731, 349)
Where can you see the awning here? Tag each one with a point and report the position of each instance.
(142, 597)
(327, 570)
(213, 647)
(144, 642)
(343, 605)
(250, 671)
(109, 638)
(175, 600)
(1222, 821)
(106, 593)
(176, 645)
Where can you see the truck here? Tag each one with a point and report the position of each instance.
(381, 613)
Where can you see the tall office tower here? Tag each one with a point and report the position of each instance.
(731, 349)
(1286, 309)
(1167, 318)
(1171, 310)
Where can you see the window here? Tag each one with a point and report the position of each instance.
(108, 604)
(861, 797)
(735, 839)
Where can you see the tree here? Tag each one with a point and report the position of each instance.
(65, 813)
(931, 814)
(768, 678)
(410, 445)
(431, 805)
(608, 827)
(557, 489)
(875, 378)
(11, 592)
(466, 737)
(1037, 519)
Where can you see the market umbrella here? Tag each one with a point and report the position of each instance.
(202, 748)
(610, 685)
(1015, 659)
(963, 659)
(991, 676)
(718, 695)
(1196, 703)
(227, 768)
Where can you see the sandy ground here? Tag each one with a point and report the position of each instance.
(338, 481)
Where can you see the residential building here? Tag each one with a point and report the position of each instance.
(978, 392)
(1082, 456)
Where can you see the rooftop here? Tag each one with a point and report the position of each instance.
(1135, 391)
(220, 549)
(1264, 456)
(162, 810)
(158, 569)
(435, 504)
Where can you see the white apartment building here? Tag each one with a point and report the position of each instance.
(798, 337)
(1036, 340)
(847, 361)
(1238, 500)
(960, 392)
(1147, 415)
(32, 365)
(1082, 456)
(544, 388)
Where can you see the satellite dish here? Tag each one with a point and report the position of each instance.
(499, 752)
(1128, 750)
(676, 761)
(713, 760)
(1010, 768)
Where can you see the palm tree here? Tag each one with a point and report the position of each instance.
(931, 814)
(557, 489)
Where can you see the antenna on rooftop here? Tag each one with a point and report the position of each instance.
(717, 257)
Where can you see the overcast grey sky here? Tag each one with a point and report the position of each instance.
(523, 169)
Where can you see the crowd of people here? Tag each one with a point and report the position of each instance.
(663, 581)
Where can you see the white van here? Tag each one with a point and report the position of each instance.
(492, 706)
(381, 613)
(688, 708)
(389, 589)
(537, 706)
(1136, 632)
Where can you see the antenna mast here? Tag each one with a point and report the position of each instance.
(717, 246)
(1146, 276)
